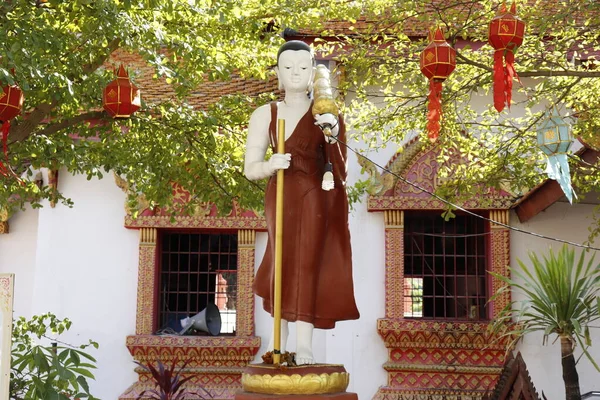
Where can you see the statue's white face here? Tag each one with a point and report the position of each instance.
(295, 70)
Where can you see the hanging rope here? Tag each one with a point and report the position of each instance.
(457, 207)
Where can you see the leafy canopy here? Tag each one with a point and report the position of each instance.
(59, 51)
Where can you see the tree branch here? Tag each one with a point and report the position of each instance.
(549, 73)
(528, 74)
(91, 67)
(21, 131)
(93, 115)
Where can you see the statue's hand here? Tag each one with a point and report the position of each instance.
(328, 120)
(279, 161)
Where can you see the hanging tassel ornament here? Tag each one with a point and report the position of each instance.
(505, 34)
(11, 103)
(554, 138)
(5, 128)
(327, 183)
(437, 62)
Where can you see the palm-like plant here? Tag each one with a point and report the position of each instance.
(562, 298)
(169, 383)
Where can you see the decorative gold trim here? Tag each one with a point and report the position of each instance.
(4, 227)
(420, 163)
(391, 393)
(245, 276)
(148, 236)
(196, 222)
(382, 203)
(146, 281)
(281, 384)
(394, 272)
(7, 282)
(501, 216)
(500, 262)
(459, 369)
(141, 202)
(246, 238)
(393, 219)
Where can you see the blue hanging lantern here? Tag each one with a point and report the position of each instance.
(554, 138)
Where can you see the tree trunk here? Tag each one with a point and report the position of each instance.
(569, 369)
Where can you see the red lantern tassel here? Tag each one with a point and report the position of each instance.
(499, 81)
(5, 128)
(435, 110)
(510, 74)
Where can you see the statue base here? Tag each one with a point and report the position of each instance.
(323, 381)
(259, 396)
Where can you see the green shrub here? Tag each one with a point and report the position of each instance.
(59, 371)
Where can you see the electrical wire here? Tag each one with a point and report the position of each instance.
(457, 207)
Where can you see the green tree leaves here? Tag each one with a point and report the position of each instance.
(61, 55)
(57, 371)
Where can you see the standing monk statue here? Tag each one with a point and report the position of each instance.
(317, 288)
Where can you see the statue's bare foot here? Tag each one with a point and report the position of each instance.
(304, 354)
(304, 357)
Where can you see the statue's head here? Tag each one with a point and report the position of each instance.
(295, 66)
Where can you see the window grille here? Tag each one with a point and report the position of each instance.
(197, 269)
(445, 264)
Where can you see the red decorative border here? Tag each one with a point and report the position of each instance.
(421, 334)
(445, 358)
(433, 359)
(198, 351)
(394, 272)
(430, 203)
(196, 222)
(216, 363)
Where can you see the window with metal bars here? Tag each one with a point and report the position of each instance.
(445, 264)
(197, 269)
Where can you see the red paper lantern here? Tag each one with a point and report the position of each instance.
(438, 60)
(11, 104)
(121, 98)
(505, 34)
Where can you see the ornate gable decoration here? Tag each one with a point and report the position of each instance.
(205, 215)
(515, 382)
(418, 163)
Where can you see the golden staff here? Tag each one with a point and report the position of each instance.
(278, 247)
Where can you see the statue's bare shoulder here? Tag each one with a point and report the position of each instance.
(262, 113)
(259, 125)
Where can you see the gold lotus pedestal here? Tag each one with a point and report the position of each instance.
(304, 382)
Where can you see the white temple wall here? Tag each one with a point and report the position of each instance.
(85, 265)
(566, 222)
(18, 251)
(81, 263)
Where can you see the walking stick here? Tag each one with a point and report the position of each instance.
(278, 247)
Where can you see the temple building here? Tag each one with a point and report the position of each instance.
(422, 283)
